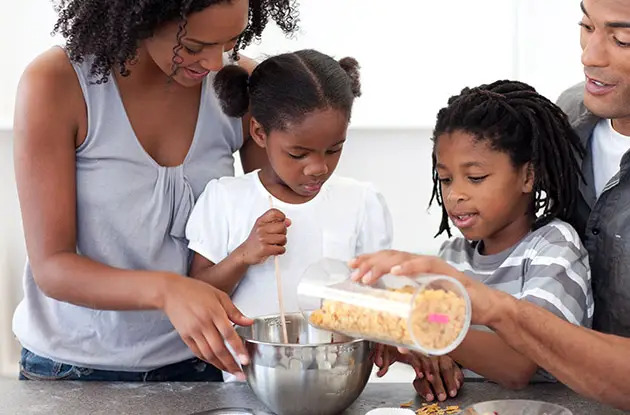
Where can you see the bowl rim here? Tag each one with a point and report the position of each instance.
(558, 406)
(352, 341)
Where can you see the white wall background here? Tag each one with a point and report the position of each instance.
(414, 55)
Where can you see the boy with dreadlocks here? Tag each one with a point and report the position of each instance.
(505, 175)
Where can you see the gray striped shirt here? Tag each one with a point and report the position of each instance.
(548, 267)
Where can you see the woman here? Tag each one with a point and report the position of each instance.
(115, 137)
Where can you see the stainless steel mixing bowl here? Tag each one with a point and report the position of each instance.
(317, 373)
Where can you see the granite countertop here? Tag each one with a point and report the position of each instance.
(70, 398)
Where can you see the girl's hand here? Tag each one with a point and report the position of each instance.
(267, 238)
(203, 317)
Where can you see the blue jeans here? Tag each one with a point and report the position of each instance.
(34, 367)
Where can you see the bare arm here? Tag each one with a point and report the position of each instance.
(267, 238)
(225, 275)
(46, 136)
(487, 354)
(593, 364)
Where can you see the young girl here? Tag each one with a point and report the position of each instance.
(294, 206)
(505, 175)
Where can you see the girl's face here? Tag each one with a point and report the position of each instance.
(303, 156)
(485, 196)
(208, 34)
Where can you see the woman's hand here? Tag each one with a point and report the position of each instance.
(203, 317)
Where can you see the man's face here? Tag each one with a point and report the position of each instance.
(605, 41)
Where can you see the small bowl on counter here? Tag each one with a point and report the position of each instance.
(516, 407)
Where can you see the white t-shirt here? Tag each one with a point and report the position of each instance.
(345, 219)
(608, 147)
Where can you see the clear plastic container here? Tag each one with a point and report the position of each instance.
(430, 313)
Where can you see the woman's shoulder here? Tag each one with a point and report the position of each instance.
(47, 81)
(52, 69)
(51, 78)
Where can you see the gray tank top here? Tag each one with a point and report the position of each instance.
(131, 213)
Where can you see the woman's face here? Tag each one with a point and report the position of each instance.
(207, 35)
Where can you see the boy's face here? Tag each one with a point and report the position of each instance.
(485, 196)
(605, 41)
(303, 156)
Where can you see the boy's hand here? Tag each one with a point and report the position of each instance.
(442, 378)
(267, 238)
(436, 377)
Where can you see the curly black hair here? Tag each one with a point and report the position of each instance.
(110, 30)
(284, 88)
(517, 120)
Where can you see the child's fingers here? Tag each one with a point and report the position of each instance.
(378, 358)
(274, 239)
(437, 382)
(427, 367)
(415, 362)
(273, 250)
(423, 388)
(459, 377)
(385, 360)
(447, 370)
(403, 350)
(272, 215)
(275, 228)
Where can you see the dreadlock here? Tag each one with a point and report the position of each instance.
(110, 30)
(515, 119)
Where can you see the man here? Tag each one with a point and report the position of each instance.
(599, 111)
(593, 363)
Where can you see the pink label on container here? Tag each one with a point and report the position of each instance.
(438, 318)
